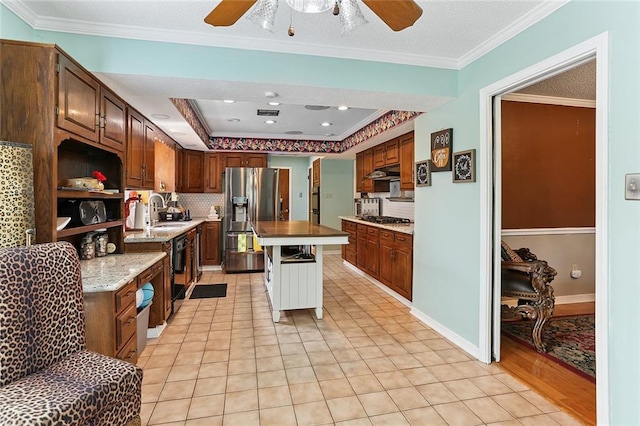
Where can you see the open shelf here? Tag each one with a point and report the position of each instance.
(70, 193)
(88, 228)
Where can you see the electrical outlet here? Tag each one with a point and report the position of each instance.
(632, 186)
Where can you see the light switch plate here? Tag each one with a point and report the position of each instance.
(632, 186)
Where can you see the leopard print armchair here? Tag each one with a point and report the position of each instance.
(528, 279)
(47, 376)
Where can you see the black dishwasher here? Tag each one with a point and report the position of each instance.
(179, 256)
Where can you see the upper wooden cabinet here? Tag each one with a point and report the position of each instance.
(140, 151)
(243, 159)
(406, 161)
(193, 171)
(367, 167)
(165, 160)
(88, 109)
(178, 168)
(386, 154)
(212, 173)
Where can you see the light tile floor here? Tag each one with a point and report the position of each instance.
(368, 362)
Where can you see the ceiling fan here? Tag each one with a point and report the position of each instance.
(397, 14)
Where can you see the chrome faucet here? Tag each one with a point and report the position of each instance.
(153, 207)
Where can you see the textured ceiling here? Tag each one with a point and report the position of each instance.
(450, 34)
(576, 83)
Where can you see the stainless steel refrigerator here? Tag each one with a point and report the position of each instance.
(251, 194)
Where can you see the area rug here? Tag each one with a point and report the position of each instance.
(570, 341)
(206, 291)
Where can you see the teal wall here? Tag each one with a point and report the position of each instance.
(446, 265)
(299, 187)
(447, 229)
(12, 27)
(336, 191)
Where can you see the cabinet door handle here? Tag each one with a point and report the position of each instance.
(131, 319)
(98, 119)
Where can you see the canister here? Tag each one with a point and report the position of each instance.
(101, 241)
(87, 248)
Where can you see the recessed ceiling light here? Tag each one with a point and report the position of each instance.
(233, 120)
(270, 95)
(270, 121)
(160, 116)
(293, 132)
(326, 124)
(329, 134)
(343, 108)
(228, 101)
(273, 103)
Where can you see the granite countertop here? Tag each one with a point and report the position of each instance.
(406, 228)
(162, 232)
(112, 272)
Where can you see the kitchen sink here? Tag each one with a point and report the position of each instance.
(169, 226)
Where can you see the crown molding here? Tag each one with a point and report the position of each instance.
(550, 100)
(539, 13)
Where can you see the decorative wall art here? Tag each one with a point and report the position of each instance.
(423, 173)
(441, 146)
(464, 166)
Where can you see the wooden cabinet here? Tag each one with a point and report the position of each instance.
(373, 255)
(396, 262)
(360, 172)
(88, 109)
(178, 168)
(140, 151)
(187, 277)
(111, 316)
(212, 173)
(367, 167)
(349, 250)
(211, 250)
(315, 172)
(386, 154)
(193, 171)
(361, 247)
(407, 161)
(243, 159)
(164, 160)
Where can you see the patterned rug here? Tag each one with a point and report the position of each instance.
(570, 341)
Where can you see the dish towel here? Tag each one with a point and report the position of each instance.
(256, 244)
(242, 243)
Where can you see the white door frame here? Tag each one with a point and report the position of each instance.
(490, 212)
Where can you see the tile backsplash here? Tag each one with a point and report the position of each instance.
(395, 208)
(200, 204)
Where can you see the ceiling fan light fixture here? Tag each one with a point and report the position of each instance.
(311, 6)
(264, 14)
(351, 16)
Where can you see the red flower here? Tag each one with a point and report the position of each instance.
(98, 175)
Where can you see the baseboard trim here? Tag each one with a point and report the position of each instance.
(575, 298)
(212, 268)
(453, 337)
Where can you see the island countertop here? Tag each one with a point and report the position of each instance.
(294, 228)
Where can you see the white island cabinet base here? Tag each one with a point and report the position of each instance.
(295, 285)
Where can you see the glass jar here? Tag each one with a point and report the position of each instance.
(101, 241)
(87, 248)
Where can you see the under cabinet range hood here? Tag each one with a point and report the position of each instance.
(387, 173)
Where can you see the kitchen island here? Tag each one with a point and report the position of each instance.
(293, 276)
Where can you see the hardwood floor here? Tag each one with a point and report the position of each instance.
(569, 391)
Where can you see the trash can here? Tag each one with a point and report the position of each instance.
(143, 324)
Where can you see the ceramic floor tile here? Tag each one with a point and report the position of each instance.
(377, 403)
(177, 390)
(205, 421)
(151, 392)
(490, 385)
(488, 410)
(436, 393)
(328, 372)
(306, 392)
(464, 389)
(337, 388)
(236, 402)
(392, 380)
(267, 379)
(170, 411)
(276, 396)
(346, 408)
(278, 416)
(210, 386)
(407, 398)
(269, 363)
(365, 384)
(300, 375)
(393, 419)
(250, 418)
(206, 406)
(313, 413)
(424, 416)
(241, 382)
(516, 405)
(457, 414)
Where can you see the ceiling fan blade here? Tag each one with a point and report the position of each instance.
(228, 12)
(397, 14)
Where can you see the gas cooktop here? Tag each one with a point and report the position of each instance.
(386, 219)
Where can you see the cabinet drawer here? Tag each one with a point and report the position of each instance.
(371, 231)
(126, 325)
(386, 236)
(129, 351)
(404, 239)
(349, 226)
(126, 296)
(362, 229)
(155, 269)
(145, 276)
